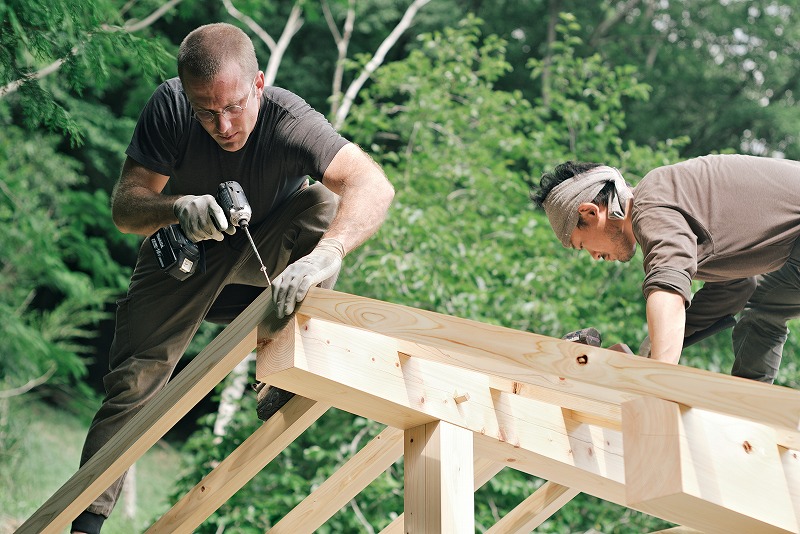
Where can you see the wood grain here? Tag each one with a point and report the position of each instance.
(724, 472)
(524, 357)
(438, 480)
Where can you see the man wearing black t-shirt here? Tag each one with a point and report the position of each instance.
(218, 122)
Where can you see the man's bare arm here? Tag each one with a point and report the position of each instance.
(365, 195)
(137, 205)
(666, 320)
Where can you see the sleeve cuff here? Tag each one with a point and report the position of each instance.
(667, 279)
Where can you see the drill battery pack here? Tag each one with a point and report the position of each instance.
(176, 254)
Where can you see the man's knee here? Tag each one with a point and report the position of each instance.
(758, 346)
(763, 323)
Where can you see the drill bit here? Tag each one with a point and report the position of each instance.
(258, 256)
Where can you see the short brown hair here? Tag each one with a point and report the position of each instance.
(208, 49)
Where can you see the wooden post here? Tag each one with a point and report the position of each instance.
(439, 480)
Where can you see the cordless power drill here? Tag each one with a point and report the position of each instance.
(179, 257)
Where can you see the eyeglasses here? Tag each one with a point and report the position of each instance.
(230, 112)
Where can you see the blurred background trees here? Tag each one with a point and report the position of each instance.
(464, 103)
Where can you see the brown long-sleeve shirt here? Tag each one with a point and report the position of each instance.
(721, 219)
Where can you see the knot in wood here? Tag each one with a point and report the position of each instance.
(747, 447)
(583, 359)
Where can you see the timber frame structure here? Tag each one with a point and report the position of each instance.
(463, 399)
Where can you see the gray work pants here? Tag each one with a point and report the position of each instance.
(761, 331)
(160, 315)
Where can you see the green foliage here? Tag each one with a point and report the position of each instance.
(45, 454)
(723, 73)
(462, 237)
(56, 271)
(82, 40)
(582, 107)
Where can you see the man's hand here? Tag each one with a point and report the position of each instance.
(293, 283)
(201, 217)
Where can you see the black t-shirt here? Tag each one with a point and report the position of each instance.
(289, 142)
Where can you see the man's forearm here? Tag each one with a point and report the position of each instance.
(361, 212)
(138, 210)
(666, 318)
(364, 196)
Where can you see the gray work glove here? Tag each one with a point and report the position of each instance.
(201, 218)
(293, 283)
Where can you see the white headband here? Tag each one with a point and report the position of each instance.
(563, 201)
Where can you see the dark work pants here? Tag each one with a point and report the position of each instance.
(160, 315)
(761, 331)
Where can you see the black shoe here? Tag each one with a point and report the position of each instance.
(270, 400)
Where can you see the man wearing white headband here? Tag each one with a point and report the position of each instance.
(732, 221)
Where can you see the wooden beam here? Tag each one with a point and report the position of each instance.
(524, 357)
(791, 468)
(576, 406)
(347, 482)
(678, 530)
(269, 440)
(361, 372)
(484, 470)
(438, 480)
(204, 372)
(534, 510)
(724, 472)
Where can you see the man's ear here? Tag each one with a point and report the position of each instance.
(589, 211)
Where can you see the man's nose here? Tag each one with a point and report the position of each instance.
(222, 123)
(595, 254)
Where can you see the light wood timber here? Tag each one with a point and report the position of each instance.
(527, 462)
(554, 409)
(791, 468)
(678, 530)
(483, 469)
(520, 356)
(438, 480)
(541, 385)
(576, 407)
(534, 510)
(199, 377)
(725, 472)
(249, 458)
(355, 475)
(367, 377)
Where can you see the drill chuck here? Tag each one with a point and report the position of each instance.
(233, 202)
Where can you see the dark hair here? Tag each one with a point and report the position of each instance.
(563, 172)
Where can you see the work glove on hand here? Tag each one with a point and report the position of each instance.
(293, 283)
(201, 218)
